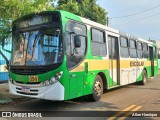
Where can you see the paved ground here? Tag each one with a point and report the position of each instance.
(131, 98)
(8, 99)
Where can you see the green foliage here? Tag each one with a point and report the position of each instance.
(13, 9)
(70, 6)
(85, 8)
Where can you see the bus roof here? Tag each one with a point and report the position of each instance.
(100, 26)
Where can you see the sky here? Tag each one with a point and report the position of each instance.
(146, 24)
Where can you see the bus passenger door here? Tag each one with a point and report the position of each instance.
(151, 57)
(75, 58)
(114, 67)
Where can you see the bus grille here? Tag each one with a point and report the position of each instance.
(27, 93)
(32, 91)
(28, 71)
(33, 70)
(31, 83)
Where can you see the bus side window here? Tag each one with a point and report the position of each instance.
(145, 50)
(75, 54)
(139, 50)
(154, 52)
(132, 49)
(112, 47)
(98, 41)
(124, 47)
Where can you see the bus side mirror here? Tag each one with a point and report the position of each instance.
(77, 41)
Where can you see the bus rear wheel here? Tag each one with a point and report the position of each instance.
(144, 78)
(97, 89)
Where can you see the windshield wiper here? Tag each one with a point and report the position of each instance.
(36, 38)
(35, 41)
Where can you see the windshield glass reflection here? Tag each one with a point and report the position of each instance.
(40, 47)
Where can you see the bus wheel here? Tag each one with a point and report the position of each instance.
(144, 78)
(97, 90)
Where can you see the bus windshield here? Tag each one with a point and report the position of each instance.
(37, 47)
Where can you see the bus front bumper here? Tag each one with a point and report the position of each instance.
(51, 92)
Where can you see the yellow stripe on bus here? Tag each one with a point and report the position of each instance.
(106, 64)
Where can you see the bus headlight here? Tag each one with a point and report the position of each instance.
(53, 80)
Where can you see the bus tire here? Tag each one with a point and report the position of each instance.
(97, 89)
(144, 78)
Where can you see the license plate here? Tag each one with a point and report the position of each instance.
(25, 89)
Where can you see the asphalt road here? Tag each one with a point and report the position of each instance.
(133, 98)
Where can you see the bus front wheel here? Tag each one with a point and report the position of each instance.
(97, 89)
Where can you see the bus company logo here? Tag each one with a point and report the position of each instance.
(33, 78)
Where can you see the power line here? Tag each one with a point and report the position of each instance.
(140, 19)
(137, 12)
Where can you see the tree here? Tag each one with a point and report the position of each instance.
(85, 8)
(13, 9)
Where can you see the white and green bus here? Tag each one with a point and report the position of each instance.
(57, 55)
